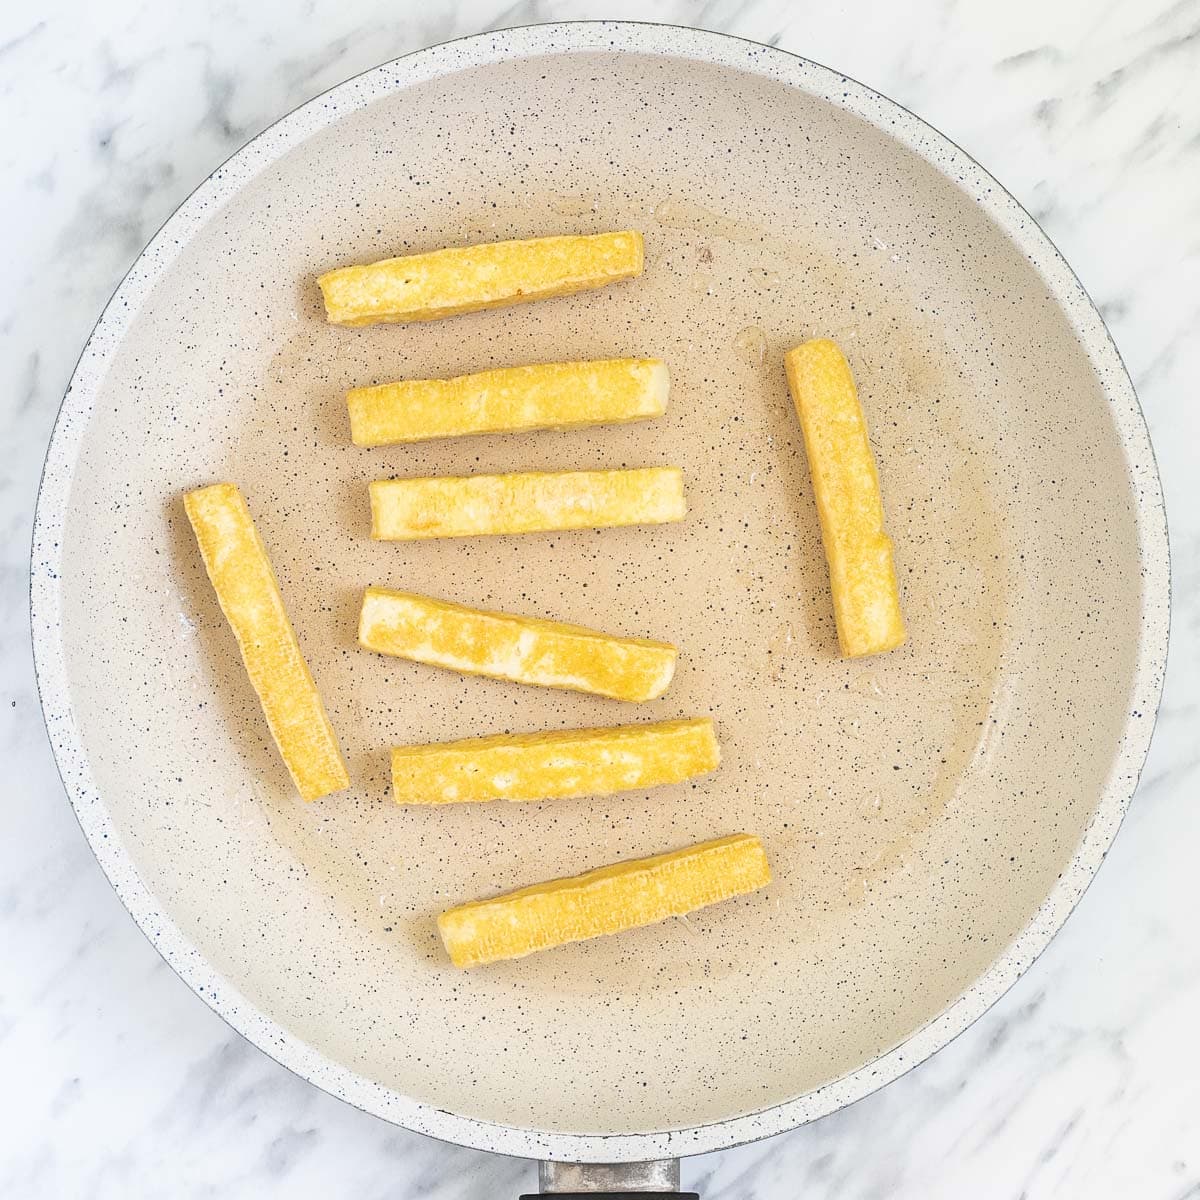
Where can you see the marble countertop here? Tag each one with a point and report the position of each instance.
(1084, 1081)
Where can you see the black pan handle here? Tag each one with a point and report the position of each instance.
(613, 1196)
(610, 1181)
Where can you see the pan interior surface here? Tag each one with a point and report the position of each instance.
(917, 808)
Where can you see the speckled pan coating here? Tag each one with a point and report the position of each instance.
(931, 816)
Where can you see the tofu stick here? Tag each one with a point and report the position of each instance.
(463, 279)
(466, 506)
(862, 574)
(523, 649)
(609, 900)
(241, 573)
(510, 399)
(554, 765)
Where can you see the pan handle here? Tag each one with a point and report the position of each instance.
(611, 1181)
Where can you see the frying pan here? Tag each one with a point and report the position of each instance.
(931, 815)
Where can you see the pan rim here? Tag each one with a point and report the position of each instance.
(449, 58)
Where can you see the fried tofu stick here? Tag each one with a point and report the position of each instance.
(555, 765)
(523, 649)
(241, 573)
(609, 900)
(862, 574)
(510, 399)
(443, 283)
(530, 502)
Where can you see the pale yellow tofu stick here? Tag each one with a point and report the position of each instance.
(609, 900)
(555, 765)
(534, 501)
(241, 573)
(422, 287)
(524, 649)
(862, 574)
(510, 399)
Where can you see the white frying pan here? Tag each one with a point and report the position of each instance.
(931, 815)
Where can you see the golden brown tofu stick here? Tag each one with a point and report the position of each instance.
(530, 502)
(241, 573)
(443, 283)
(609, 900)
(523, 649)
(554, 765)
(510, 399)
(862, 575)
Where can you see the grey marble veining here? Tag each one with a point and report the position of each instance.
(1083, 1081)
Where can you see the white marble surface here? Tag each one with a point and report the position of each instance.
(1083, 1082)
